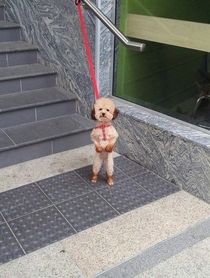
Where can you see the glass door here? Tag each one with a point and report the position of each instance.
(173, 73)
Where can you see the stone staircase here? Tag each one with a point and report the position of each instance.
(36, 117)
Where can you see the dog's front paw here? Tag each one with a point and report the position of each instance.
(99, 149)
(109, 148)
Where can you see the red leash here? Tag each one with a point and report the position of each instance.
(87, 48)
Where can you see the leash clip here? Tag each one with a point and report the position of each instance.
(77, 2)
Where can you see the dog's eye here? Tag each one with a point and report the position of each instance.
(107, 110)
(100, 109)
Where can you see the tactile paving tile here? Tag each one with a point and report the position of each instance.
(129, 167)
(1, 219)
(9, 247)
(40, 228)
(22, 200)
(86, 211)
(157, 186)
(126, 195)
(78, 204)
(64, 186)
(86, 172)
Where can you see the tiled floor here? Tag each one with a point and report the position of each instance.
(46, 211)
(55, 223)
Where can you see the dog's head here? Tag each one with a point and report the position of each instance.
(104, 110)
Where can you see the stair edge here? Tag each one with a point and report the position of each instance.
(65, 98)
(51, 137)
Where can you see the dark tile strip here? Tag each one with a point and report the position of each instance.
(10, 249)
(9, 245)
(21, 201)
(40, 228)
(1, 219)
(87, 211)
(41, 213)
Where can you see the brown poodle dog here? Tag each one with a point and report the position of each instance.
(104, 136)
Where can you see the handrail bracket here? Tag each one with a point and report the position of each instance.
(113, 29)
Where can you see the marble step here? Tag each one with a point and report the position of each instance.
(26, 77)
(35, 105)
(9, 31)
(29, 141)
(1, 11)
(17, 53)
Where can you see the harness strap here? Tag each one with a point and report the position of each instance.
(88, 52)
(103, 127)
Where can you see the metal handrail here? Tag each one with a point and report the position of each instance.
(107, 22)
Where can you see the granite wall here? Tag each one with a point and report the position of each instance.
(176, 151)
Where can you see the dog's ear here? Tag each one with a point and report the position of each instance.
(115, 114)
(93, 114)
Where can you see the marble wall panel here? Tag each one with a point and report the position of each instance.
(176, 152)
(106, 50)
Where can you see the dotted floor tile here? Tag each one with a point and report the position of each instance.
(126, 195)
(40, 228)
(1, 219)
(86, 211)
(22, 200)
(57, 207)
(157, 186)
(86, 172)
(63, 187)
(129, 167)
(9, 247)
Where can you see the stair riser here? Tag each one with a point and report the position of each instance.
(1, 13)
(27, 84)
(26, 153)
(33, 114)
(18, 58)
(9, 35)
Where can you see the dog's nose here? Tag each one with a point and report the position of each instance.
(103, 114)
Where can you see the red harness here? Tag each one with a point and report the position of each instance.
(103, 127)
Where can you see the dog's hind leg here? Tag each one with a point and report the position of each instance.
(98, 161)
(109, 169)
